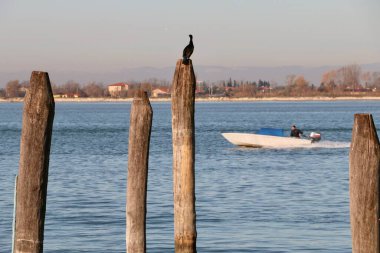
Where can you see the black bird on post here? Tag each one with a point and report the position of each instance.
(188, 50)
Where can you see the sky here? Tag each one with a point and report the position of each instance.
(109, 35)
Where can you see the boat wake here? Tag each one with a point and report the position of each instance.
(330, 144)
(317, 145)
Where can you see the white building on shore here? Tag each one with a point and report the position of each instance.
(117, 89)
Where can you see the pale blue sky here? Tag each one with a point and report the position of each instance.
(107, 35)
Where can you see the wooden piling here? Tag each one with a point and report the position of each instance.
(138, 154)
(14, 215)
(37, 124)
(364, 185)
(183, 95)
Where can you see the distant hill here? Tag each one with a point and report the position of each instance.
(205, 73)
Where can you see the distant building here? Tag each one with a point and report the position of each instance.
(117, 89)
(59, 95)
(66, 95)
(200, 91)
(229, 89)
(160, 92)
(22, 91)
(265, 89)
(200, 88)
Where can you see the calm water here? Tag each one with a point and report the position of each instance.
(248, 200)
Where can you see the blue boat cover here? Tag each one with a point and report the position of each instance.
(271, 131)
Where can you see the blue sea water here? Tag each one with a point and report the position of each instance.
(247, 200)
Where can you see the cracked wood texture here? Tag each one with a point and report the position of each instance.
(364, 185)
(183, 95)
(138, 155)
(37, 125)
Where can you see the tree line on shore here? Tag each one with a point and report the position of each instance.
(15, 88)
(347, 80)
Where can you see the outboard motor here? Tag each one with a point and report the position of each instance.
(315, 136)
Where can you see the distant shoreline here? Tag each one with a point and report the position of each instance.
(215, 99)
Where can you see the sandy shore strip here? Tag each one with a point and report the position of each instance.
(213, 99)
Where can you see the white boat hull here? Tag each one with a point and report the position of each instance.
(259, 140)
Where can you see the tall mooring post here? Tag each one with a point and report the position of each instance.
(183, 96)
(37, 125)
(138, 154)
(364, 185)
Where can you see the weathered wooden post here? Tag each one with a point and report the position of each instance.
(183, 95)
(14, 215)
(364, 185)
(138, 155)
(37, 125)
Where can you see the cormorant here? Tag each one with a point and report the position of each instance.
(188, 50)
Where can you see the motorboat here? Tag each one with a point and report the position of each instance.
(271, 138)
